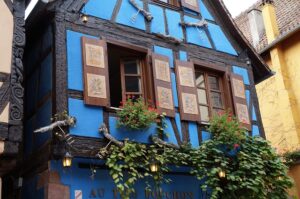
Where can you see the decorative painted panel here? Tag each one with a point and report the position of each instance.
(240, 102)
(187, 91)
(95, 72)
(162, 86)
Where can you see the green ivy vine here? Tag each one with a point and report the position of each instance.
(251, 167)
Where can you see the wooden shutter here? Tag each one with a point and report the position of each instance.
(95, 72)
(162, 85)
(187, 91)
(240, 101)
(191, 4)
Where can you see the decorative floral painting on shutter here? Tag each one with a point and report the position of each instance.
(239, 100)
(162, 84)
(187, 91)
(95, 72)
(191, 4)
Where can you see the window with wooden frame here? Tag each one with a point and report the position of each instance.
(215, 93)
(128, 75)
(168, 2)
(132, 78)
(213, 89)
(211, 95)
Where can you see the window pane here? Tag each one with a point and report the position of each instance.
(216, 99)
(132, 84)
(200, 80)
(131, 67)
(204, 113)
(202, 96)
(213, 82)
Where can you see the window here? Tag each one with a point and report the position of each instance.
(127, 73)
(168, 2)
(210, 90)
(132, 78)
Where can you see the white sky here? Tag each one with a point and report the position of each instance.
(235, 7)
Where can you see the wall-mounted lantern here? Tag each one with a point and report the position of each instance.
(84, 18)
(154, 166)
(67, 160)
(222, 174)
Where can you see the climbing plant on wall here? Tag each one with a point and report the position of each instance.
(231, 164)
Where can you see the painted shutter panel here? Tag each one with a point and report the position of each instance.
(95, 72)
(162, 85)
(187, 91)
(239, 101)
(191, 4)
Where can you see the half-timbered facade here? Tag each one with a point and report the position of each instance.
(85, 57)
(12, 44)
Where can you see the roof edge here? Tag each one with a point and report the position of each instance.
(260, 69)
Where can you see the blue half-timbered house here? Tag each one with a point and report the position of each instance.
(186, 56)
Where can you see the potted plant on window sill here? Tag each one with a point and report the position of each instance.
(136, 115)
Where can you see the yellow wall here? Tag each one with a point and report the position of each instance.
(279, 96)
(6, 32)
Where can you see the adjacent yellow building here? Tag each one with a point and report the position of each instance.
(273, 28)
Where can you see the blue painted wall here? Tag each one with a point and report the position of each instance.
(79, 179)
(127, 14)
(102, 9)
(167, 52)
(220, 40)
(243, 72)
(158, 22)
(142, 136)
(183, 56)
(204, 11)
(29, 189)
(89, 118)
(193, 134)
(196, 35)
(74, 60)
(255, 130)
(173, 18)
